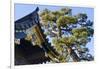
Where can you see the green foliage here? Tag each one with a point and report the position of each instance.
(64, 20)
(82, 15)
(82, 35)
(58, 46)
(78, 35)
(80, 32)
(45, 11)
(83, 41)
(56, 42)
(59, 29)
(68, 40)
(57, 14)
(66, 10)
(83, 32)
(46, 17)
(90, 31)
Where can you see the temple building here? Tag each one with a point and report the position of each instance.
(31, 45)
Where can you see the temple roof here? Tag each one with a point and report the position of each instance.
(27, 16)
(26, 22)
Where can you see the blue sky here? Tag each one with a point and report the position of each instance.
(24, 9)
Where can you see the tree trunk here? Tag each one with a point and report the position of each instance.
(73, 54)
